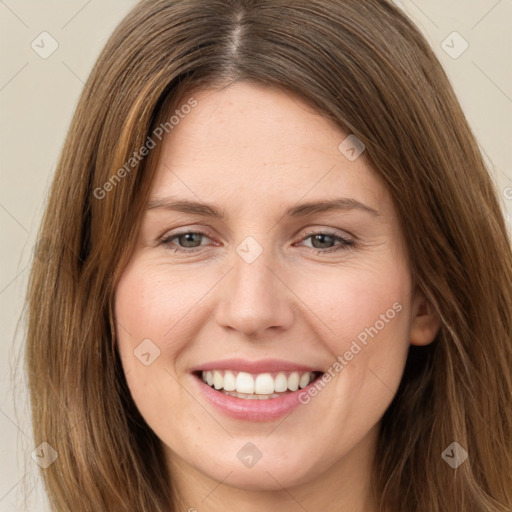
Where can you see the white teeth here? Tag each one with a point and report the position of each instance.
(244, 383)
(218, 380)
(261, 386)
(280, 383)
(304, 380)
(264, 384)
(293, 381)
(229, 381)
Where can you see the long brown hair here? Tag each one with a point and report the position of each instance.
(365, 66)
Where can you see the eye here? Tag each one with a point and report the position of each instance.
(321, 238)
(190, 241)
(187, 240)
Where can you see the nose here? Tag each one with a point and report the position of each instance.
(255, 298)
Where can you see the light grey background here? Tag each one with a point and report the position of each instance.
(37, 99)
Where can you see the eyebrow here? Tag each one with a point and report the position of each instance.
(302, 210)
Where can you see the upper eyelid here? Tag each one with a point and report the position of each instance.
(306, 232)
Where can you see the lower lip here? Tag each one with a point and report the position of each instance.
(252, 410)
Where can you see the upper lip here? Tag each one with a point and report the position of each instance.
(255, 367)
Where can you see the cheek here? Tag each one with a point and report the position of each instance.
(158, 314)
(355, 303)
(149, 305)
(149, 311)
(144, 309)
(364, 315)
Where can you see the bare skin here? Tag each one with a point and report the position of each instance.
(254, 152)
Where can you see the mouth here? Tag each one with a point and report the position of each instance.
(257, 386)
(254, 391)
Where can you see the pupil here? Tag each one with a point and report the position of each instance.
(188, 237)
(319, 238)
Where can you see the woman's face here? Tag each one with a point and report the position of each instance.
(269, 254)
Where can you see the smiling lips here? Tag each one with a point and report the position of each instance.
(254, 391)
(261, 386)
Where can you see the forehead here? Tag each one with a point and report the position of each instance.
(250, 144)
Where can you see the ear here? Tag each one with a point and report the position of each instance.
(425, 321)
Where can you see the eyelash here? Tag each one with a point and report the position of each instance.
(345, 243)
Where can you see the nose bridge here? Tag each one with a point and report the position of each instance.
(254, 298)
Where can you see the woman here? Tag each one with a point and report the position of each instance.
(278, 276)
